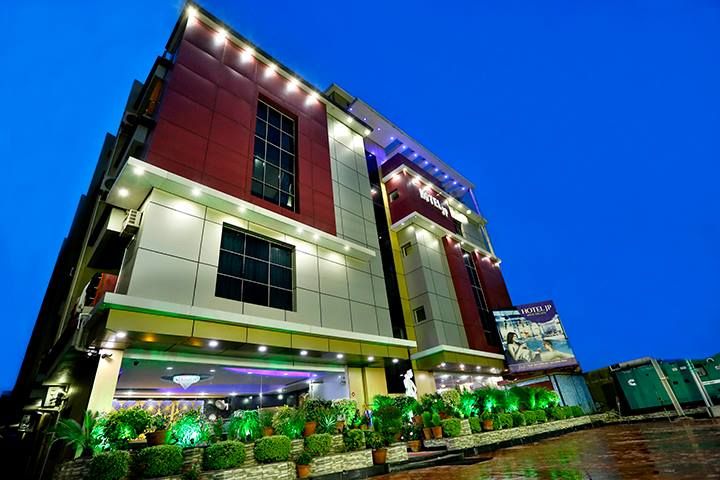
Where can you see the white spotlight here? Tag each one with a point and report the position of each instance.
(247, 55)
(213, 343)
(123, 192)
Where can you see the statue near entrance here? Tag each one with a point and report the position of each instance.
(410, 388)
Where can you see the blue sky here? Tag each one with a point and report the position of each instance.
(589, 128)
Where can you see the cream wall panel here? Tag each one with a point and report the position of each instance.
(308, 308)
(333, 278)
(306, 271)
(364, 318)
(335, 312)
(171, 232)
(162, 277)
(361, 287)
(210, 248)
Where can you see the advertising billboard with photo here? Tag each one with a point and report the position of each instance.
(533, 337)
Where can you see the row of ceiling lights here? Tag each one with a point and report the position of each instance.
(248, 54)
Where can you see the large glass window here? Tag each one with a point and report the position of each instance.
(486, 316)
(273, 176)
(254, 270)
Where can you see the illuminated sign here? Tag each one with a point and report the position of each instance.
(432, 200)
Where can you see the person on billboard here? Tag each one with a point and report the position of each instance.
(518, 350)
(551, 354)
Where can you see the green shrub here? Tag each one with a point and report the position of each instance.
(121, 426)
(159, 461)
(354, 440)
(451, 402)
(577, 411)
(380, 401)
(193, 473)
(304, 458)
(388, 420)
(348, 410)
(190, 429)
(245, 425)
(318, 445)
(558, 413)
(408, 406)
(272, 449)
(451, 427)
(265, 418)
(475, 425)
(313, 407)
(374, 440)
(503, 420)
(327, 420)
(530, 418)
(109, 465)
(427, 419)
(432, 402)
(540, 416)
(436, 421)
(518, 419)
(222, 455)
(290, 422)
(468, 407)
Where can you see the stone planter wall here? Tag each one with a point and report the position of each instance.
(341, 462)
(192, 456)
(72, 470)
(397, 452)
(465, 427)
(296, 446)
(270, 471)
(338, 445)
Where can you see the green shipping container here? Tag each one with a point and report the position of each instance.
(642, 388)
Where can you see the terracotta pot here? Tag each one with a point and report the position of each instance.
(487, 425)
(157, 437)
(397, 437)
(363, 427)
(303, 471)
(268, 431)
(417, 420)
(427, 433)
(379, 456)
(444, 416)
(309, 428)
(340, 425)
(414, 445)
(437, 432)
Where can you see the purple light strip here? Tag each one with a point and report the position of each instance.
(269, 373)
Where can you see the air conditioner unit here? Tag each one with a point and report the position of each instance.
(131, 224)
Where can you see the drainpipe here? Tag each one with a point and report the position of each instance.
(701, 388)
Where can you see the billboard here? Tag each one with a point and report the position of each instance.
(533, 337)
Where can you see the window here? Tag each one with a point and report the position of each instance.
(254, 270)
(419, 314)
(486, 316)
(394, 195)
(406, 249)
(273, 177)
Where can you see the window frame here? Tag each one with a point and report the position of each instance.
(269, 260)
(415, 314)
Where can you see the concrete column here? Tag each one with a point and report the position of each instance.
(425, 382)
(106, 377)
(374, 383)
(356, 385)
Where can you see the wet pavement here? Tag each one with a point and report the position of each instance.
(685, 449)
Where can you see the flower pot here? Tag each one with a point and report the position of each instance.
(414, 445)
(437, 432)
(379, 456)
(487, 425)
(340, 425)
(427, 433)
(309, 428)
(417, 420)
(303, 471)
(444, 416)
(397, 437)
(268, 431)
(156, 438)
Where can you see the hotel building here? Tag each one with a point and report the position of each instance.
(247, 238)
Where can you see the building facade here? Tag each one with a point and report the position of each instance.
(251, 239)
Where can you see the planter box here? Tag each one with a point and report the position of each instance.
(465, 427)
(341, 462)
(269, 471)
(192, 456)
(397, 452)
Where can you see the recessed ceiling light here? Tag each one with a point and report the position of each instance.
(371, 359)
(339, 355)
(303, 352)
(138, 170)
(395, 360)
(213, 343)
(168, 368)
(212, 370)
(443, 364)
(462, 366)
(196, 192)
(262, 348)
(121, 334)
(123, 192)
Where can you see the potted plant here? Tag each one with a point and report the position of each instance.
(427, 425)
(378, 443)
(436, 423)
(312, 408)
(79, 437)
(266, 422)
(487, 421)
(159, 424)
(347, 413)
(303, 464)
(388, 421)
(411, 434)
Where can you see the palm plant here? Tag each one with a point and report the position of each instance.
(78, 436)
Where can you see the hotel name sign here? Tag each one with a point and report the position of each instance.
(432, 200)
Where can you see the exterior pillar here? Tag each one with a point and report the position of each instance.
(357, 387)
(425, 382)
(365, 383)
(106, 378)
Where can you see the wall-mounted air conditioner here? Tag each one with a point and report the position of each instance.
(131, 224)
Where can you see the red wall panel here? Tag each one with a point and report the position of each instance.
(206, 121)
(493, 283)
(466, 301)
(409, 199)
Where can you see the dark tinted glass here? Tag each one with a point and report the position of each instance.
(256, 270)
(230, 264)
(255, 293)
(255, 247)
(232, 240)
(280, 256)
(281, 299)
(280, 277)
(228, 287)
